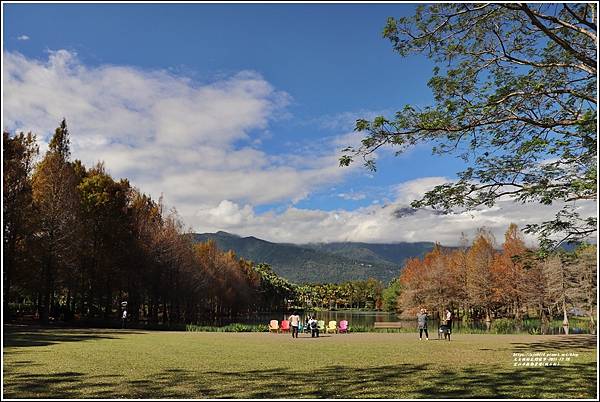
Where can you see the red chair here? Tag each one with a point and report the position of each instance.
(343, 327)
(285, 326)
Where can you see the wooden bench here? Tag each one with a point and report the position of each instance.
(382, 324)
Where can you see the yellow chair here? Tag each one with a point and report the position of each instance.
(274, 326)
(332, 327)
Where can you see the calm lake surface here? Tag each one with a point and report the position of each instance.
(368, 319)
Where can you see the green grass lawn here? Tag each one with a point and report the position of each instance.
(92, 363)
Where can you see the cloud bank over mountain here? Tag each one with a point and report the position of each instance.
(199, 145)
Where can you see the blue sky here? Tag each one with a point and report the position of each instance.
(235, 113)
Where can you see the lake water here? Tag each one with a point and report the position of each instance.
(366, 318)
(369, 318)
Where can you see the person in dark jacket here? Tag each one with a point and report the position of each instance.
(422, 322)
(314, 327)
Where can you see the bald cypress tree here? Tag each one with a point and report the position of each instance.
(19, 152)
(56, 204)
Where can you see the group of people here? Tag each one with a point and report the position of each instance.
(422, 319)
(310, 322)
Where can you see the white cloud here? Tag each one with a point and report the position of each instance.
(411, 190)
(194, 143)
(377, 223)
(198, 145)
(353, 196)
(23, 37)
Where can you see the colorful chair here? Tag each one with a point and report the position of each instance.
(332, 327)
(321, 325)
(343, 329)
(285, 326)
(273, 326)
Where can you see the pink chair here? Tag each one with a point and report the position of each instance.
(285, 326)
(343, 327)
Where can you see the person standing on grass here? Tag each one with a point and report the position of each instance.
(294, 320)
(449, 319)
(314, 327)
(422, 321)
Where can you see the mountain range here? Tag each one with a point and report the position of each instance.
(322, 262)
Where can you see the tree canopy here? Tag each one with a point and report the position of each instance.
(77, 243)
(515, 89)
(482, 282)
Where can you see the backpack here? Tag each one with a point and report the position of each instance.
(313, 324)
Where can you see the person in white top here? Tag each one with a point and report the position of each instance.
(449, 319)
(294, 320)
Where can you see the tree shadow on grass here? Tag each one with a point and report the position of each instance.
(56, 385)
(401, 381)
(565, 343)
(25, 337)
(414, 381)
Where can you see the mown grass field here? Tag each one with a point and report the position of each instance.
(94, 363)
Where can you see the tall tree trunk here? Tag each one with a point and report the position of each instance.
(543, 320)
(107, 299)
(9, 263)
(47, 290)
(518, 316)
(565, 317)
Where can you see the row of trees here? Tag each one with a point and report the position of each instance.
(483, 282)
(77, 242)
(351, 294)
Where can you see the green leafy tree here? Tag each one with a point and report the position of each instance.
(390, 295)
(515, 97)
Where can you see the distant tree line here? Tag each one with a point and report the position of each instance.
(481, 282)
(358, 294)
(77, 243)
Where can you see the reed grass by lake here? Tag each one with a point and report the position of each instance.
(364, 321)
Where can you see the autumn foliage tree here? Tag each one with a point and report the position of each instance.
(56, 204)
(509, 274)
(78, 243)
(481, 281)
(19, 154)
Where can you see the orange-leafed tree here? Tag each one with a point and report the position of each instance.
(509, 274)
(436, 280)
(412, 280)
(480, 278)
(457, 279)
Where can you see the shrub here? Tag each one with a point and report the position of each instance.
(236, 327)
(359, 328)
(503, 326)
